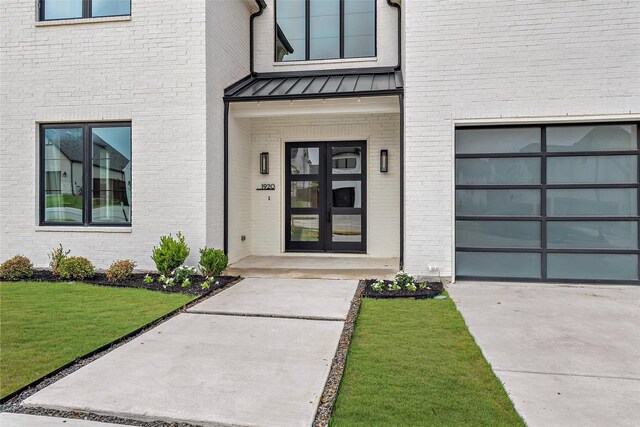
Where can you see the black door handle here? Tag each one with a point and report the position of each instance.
(329, 214)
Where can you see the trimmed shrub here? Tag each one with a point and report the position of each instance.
(55, 256)
(170, 254)
(212, 261)
(120, 270)
(16, 268)
(76, 268)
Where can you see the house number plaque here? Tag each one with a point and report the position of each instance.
(267, 187)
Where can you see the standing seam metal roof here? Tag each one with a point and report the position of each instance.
(319, 84)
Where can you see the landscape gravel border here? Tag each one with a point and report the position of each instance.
(12, 402)
(332, 386)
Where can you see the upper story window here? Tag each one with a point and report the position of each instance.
(85, 174)
(73, 9)
(325, 29)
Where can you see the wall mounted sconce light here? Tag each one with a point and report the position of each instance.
(64, 174)
(264, 163)
(384, 161)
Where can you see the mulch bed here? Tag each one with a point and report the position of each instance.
(137, 281)
(433, 288)
(332, 386)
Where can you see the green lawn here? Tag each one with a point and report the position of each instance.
(413, 363)
(45, 325)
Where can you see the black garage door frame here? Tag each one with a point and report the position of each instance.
(543, 217)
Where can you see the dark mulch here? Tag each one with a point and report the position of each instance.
(137, 281)
(332, 386)
(432, 289)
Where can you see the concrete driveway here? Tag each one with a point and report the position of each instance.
(567, 355)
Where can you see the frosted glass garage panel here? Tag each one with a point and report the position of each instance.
(592, 202)
(498, 202)
(592, 266)
(498, 264)
(592, 234)
(592, 170)
(498, 234)
(511, 171)
(506, 140)
(592, 138)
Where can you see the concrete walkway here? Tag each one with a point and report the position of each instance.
(309, 298)
(567, 355)
(24, 420)
(211, 369)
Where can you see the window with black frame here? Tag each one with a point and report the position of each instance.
(324, 29)
(85, 174)
(74, 9)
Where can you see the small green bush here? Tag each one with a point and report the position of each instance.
(212, 261)
(55, 256)
(76, 268)
(16, 268)
(170, 254)
(120, 270)
(403, 279)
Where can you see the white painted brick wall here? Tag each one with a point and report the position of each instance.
(150, 70)
(227, 62)
(499, 59)
(387, 44)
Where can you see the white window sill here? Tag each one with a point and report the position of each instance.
(80, 229)
(325, 61)
(82, 21)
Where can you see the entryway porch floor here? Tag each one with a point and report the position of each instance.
(338, 266)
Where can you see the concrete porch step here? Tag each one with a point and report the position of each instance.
(315, 267)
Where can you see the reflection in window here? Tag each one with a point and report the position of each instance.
(290, 30)
(324, 29)
(347, 194)
(346, 228)
(321, 29)
(345, 160)
(592, 138)
(305, 194)
(72, 9)
(305, 228)
(305, 160)
(62, 9)
(110, 7)
(111, 154)
(359, 28)
(95, 192)
(63, 155)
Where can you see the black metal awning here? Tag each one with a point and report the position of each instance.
(316, 84)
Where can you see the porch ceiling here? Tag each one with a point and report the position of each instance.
(335, 106)
(318, 84)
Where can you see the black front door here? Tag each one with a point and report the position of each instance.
(326, 196)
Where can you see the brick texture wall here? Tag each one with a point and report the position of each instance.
(503, 60)
(151, 70)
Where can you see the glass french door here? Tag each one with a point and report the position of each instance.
(325, 196)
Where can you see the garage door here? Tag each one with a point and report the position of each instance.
(547, 203)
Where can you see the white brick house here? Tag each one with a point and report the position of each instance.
(509, 130)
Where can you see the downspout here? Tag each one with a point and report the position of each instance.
(226, 178)
(261, 6)
(397, 6)
(401, 100)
